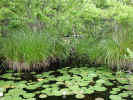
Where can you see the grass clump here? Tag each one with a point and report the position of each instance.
(27, 49)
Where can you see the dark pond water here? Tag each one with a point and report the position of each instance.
(67, 84)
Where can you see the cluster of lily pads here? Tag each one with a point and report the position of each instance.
(66, 81)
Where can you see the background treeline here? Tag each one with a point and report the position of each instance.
(36, 32)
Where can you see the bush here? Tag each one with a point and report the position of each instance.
(109, 35)
(104, 29)
(27, 50)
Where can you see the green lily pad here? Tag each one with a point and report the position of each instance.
(39, 76)
(11, 97)
(76, 87)
(32, 87)
(129, 92)
(89, 79)
(45, 80)
(47, 91)
(100, 81)
(92, 75)
(99, 88)
(56, 93)
(7, 75)
(124, 94)
(59, 83)
(116, 89)
(65, 91)
(77, 91)
(90, 91)
(79, 96)
(16, 91)
(83, 83)
(113, 92)
(60, 79)
(122, 80)
(28, 95)
(108, 83)
(86, 90)
(115, 97)
(76, 77)
(127, 87)
(55, 89)
(42, 96)
(6, 84)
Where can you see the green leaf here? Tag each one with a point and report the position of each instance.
(115, 97)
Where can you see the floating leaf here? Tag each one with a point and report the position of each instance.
(42, 96)
(113, 92)
(79, 96)
(99, 88)
(115, 97)
(28, 95)
(108, 83)
(122, 80)
(83, 83)
(116, 89)
(59, 83)
(127, 87)
(123, 94)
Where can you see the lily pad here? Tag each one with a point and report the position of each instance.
(83, 83)
(42, 96)
(108, 83)
(32, 87)
(122, 80)
(115, 97)
(59, 83)
(116, 89)
(99, 88)
(92, 75)
(28, 95)
(79, 96)
(90, 91)
(113, 92)
(124, 94)
(127, 87)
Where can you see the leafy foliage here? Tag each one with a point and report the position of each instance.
(81, 82)
(104, 28)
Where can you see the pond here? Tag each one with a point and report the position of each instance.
(67, 84)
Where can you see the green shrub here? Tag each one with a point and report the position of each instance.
(110, 34)
(104, 28)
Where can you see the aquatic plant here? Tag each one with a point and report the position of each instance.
(79, 96)
(99, 30)
(73, 84)
(42, 96)
(26, 50)
(115, 97)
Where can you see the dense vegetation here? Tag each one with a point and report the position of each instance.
(35, 31)
(67, 84)
(82, 37)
